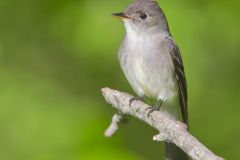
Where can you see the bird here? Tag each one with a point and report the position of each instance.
(151, 62)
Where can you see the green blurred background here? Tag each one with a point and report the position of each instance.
(56, 55)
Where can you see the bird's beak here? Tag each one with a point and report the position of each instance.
(120, 15)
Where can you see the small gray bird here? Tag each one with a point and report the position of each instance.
(151, 62)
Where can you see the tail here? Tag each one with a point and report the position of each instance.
(172, 152)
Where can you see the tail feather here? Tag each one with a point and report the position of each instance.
(172, 152)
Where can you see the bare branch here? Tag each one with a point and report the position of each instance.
(114, 126)
(169, 129)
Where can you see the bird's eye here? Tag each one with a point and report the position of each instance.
(143, 16)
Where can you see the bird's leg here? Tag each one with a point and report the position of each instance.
(138, 98)
(155, 108)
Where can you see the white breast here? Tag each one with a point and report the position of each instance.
(147, 64)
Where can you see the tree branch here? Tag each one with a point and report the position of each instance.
(169, 130)
(114, 126)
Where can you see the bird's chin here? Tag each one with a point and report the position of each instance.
(132, 29)
(125, 20)
(129, 25)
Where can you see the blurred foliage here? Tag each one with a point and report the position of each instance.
(56, 55)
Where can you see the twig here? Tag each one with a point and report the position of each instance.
(169, 130)
(114, 126)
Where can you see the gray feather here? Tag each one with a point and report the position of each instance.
(180, 76)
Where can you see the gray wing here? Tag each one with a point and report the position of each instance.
(180, 76)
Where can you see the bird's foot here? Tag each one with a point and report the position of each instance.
(152, 109)
(135, 99)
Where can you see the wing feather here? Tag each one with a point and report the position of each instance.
(180, 76)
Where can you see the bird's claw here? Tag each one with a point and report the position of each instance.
(151, 110)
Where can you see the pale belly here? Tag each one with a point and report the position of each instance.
(148, 67)
(155, 80)
(151, 75)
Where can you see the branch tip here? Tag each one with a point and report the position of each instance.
(161, 137)
(114, 126)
